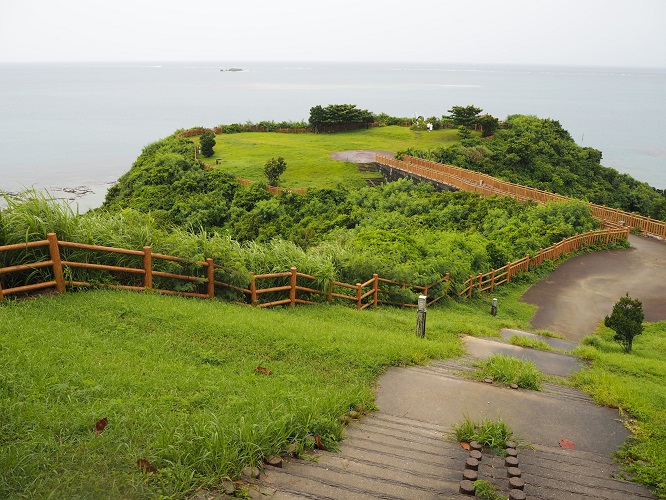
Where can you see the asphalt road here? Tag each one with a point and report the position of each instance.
(580, 293)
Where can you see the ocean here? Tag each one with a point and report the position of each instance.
(76, 128)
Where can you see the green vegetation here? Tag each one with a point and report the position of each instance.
(626, 320)
(207, 143)
(487, 491)
(402, 231)
(309, 155)
(633, 383)
(491, 433)
(338, 114)
(540, 153)
(522, 341)
(273, 169)
(508, 370)
(177, 381)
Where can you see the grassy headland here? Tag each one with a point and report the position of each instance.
(177, 378)
(308, 156)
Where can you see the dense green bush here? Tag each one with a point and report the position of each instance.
(538, 152)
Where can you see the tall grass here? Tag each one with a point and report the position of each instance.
(634, 383)
(509, 370)
(491, 433)
(176, 380)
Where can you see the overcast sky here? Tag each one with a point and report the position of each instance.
(562, 32)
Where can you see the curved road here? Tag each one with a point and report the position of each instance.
(574, 298)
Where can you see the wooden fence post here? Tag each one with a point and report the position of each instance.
(210, 275)
(375, 289)
(330, 290)
(148, 267)
(54, 251)
(292, 290)
(253, 290)
(508, 272)
(2, 295)
(358, 296)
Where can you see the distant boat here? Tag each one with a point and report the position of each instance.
(232, 69)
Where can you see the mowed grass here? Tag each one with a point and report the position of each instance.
(636, 384)
(308, 156)
(177, 381)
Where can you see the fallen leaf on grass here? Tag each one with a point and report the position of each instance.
(100, 425)
(318, 443)
(465, 445)
(565, 443)
(261, 369)
(145, 466)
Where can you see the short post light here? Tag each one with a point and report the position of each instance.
(493, 308)
(421, 316)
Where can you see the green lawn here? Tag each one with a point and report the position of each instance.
(176, 380)
(636, 384)
(308, 155)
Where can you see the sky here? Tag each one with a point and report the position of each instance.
(622, 33)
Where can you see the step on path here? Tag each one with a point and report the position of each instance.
(403, 450)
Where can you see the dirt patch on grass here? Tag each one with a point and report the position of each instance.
(359, 155)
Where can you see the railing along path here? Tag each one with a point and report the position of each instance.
(296, 288)
(486, 185)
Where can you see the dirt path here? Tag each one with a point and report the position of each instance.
(359, 155)
(574, 298)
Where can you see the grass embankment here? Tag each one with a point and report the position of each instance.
(308, 156)
(177, 381)
(634, 383)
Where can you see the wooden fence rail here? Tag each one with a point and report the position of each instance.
(284, 288)
(486, 185)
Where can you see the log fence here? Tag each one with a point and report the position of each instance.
(486, 185)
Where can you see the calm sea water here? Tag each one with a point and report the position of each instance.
(71, 125)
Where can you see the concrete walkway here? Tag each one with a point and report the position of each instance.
(404, 450)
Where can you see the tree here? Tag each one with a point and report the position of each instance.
(627, 321)
(207, 143)
(488, 125)
(339, 114)
(464, 115)
(273, 169)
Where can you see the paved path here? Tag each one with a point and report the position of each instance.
(402, 451)
(575, 297)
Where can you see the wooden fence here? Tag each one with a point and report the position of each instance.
(275, 190)
(486, 185)
(285, 288)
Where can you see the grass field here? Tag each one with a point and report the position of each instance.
(634, 383)
(176, 380)
(308, 155)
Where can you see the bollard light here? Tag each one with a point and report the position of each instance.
(493, 308)
(421, 316)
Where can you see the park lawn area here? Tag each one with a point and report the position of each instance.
(176, 379)
(636, 384)
(308, 155)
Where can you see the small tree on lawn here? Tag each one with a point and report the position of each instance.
(627, 321)
(207, 142)
(273, 169)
